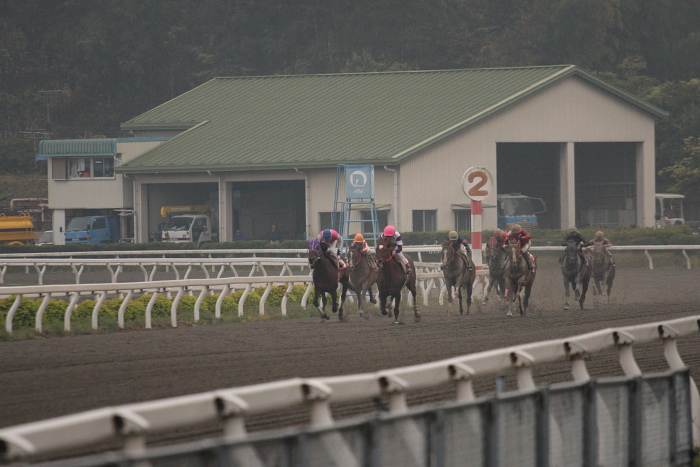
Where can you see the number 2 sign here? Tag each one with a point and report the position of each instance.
(477, 183)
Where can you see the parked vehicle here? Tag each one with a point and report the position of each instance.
(16, 230)
(46, 238)
(518, 208)
(93, 229)
(189, 224)
(669, 209)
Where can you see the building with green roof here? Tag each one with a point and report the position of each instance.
(263, 150)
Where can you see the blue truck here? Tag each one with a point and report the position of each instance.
(93, 229)
(516, 208)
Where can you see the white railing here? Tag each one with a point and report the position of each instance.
(301, 252)
(427, 274)
(132, 423)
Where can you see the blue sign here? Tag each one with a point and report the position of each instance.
(359, 181)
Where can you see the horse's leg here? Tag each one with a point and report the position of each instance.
(382, 302)
(469, 286)
(459, 296)
(566, 293)
(584, 288)
(343, 294)
(491, 282)
(609, 282)
(334, 299)
(397, 302)
(322, 306)
(510, 295)
(526, 298)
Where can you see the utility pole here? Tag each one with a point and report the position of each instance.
(48, 95)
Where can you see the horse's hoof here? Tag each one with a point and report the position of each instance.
(509, 314)
(384, 312)
(566, 307)
(417, 318)
(396, 321)
(373, 301)
(325, 316)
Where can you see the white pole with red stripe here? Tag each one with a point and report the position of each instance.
(477, 184)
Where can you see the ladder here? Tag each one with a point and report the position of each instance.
(345, 206)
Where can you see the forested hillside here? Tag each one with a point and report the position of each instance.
(78, 68)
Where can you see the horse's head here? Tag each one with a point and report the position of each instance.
(384, 250)
(314, 251)
(354, 255)
(513, 250)
(571, 250)
(448, 252)
(492, 246)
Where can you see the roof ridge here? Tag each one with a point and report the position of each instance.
(393, 72)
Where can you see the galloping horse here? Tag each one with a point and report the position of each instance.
(455, 268)
(326, 277)
(392, 278)
(495, 256)
(602, 269)
(575, 273)
(519, 278)
(362, 275)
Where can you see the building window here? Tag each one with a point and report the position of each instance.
(425, 221)
(463, 220)
(91, 167)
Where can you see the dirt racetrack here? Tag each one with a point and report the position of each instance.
(42, 378)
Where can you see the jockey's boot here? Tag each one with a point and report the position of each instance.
(408, 268)
(469, 258)
(583, 258)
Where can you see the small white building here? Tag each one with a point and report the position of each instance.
(263, 150)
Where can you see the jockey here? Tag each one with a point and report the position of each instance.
(523, 238)
(330, 237)
(390, 232)
(460, 244)
(600, 237)
(574, 235)
(364, 250)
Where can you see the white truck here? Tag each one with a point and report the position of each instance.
(669, 209)
(187, 224)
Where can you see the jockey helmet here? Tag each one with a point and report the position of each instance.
(498, 232)
(516, 228)
(389, 231)
(327, 234)
(359, 238)
(453, 235)
(572, 230)
(599, 234)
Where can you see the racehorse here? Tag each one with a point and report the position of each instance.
(455, 268)
(326, 277)
(576, 273)
(362, 275)
(392, 278)
(495, 256)
(519, 278)
(602, 269)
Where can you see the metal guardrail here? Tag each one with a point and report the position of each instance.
(132, 423)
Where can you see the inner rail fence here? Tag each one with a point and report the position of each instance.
(635, 420)
(76, 259)
(429, 278)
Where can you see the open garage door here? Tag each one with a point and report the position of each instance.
(606, 184)
(531, 169)
(257, 205)
(180, 194)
